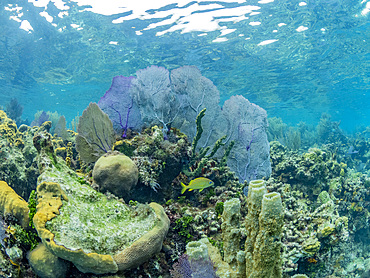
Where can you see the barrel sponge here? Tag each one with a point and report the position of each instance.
(97, 234)
(147, 245)
(50, 197)
(45, 264)
(116, 173)
(12, 203)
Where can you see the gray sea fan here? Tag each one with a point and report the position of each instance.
(195, 93)
(246, 125)
(95, 134)
(152, 92)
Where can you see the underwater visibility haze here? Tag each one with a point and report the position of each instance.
(175, 138)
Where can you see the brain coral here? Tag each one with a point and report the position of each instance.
(116, 173)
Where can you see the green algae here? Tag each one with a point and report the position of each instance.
(91, 221)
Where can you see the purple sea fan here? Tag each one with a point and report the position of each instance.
(42, 118)
(118, 104)
(182, 268)
(203, 268)
(199, 268)
(14, 110)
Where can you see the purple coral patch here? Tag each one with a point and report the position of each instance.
(119, 105)
(41, 119)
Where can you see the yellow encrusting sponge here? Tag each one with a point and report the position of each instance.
(12, 203)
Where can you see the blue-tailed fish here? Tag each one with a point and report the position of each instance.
(198, 183)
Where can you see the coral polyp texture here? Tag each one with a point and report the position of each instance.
(97, 234)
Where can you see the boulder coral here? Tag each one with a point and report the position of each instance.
(46, 264)
(116, 173)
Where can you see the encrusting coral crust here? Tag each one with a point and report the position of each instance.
(12, 203)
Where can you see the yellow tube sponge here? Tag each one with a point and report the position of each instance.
(12, 203)
(257, 189)
(231, 231)
(266, 253)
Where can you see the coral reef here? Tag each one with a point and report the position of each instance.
(159, 161)
(17, 156)
(176, 100)
(78, 224)
(310, 218)
(311, 171)
(264, 222)
(326, 211)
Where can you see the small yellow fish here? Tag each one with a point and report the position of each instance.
(198, 183)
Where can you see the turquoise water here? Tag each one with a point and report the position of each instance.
(305, 62)
(296, 59)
